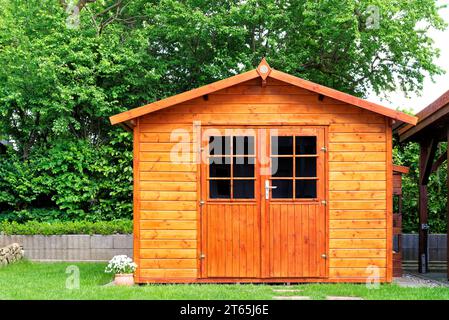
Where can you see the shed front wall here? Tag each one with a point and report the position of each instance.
(166, 196)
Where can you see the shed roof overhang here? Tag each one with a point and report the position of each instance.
(432, 128)
(263, 71)
(401, 169)
(433, 122)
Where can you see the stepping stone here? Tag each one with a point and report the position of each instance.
(110, 284)
(342, 298)
(291, 298)
(287, 290)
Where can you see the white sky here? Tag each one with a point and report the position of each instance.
(432, 90)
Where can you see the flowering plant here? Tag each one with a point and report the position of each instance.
(120, 265)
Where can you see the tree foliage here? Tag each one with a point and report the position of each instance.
(66, 66)
(408, 155)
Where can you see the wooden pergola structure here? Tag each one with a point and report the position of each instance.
(431, 130)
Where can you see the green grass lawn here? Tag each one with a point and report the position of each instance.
(28, 280)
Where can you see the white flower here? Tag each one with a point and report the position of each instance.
(121, 264)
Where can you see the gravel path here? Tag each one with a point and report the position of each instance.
(412, 281)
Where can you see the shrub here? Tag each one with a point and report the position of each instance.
(35, 214)
(72, 180)
(121, 226)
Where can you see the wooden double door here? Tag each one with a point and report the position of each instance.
(263, 200)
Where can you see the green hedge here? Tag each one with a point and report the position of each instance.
(122, 226)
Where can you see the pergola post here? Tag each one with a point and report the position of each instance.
(423, 256)
(447, 236)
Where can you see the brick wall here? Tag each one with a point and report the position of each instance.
(72, 247)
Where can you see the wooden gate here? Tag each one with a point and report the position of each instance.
(262, 203)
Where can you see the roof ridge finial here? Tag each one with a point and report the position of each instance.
(263, 69)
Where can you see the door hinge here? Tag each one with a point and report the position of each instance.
(324, 202)
(202, 256)
(324, 149)
(201, 202)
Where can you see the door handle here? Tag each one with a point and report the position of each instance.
(267, 189)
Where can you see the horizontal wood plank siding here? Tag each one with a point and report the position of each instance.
(357, 174)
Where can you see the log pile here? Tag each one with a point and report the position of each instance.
(10, 254)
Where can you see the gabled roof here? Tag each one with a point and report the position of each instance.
(264, 71)
(431, 120)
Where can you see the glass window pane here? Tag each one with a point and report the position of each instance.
(305, 167)
(305, 189)
(284, 189)
(243, 145)
(220, 189)
(305, 145)
(243, 189)
(219, 145)
(281, 145)
(220, 167)
(282, 167)
(243, 166)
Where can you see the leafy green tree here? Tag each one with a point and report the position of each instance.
(67, 65)
(408, 155)
(354, 46)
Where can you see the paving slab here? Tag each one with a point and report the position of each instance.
(109, 284)
(291, 298)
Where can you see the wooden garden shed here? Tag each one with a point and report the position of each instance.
(262, 177)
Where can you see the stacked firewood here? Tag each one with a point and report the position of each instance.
(10, 254)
